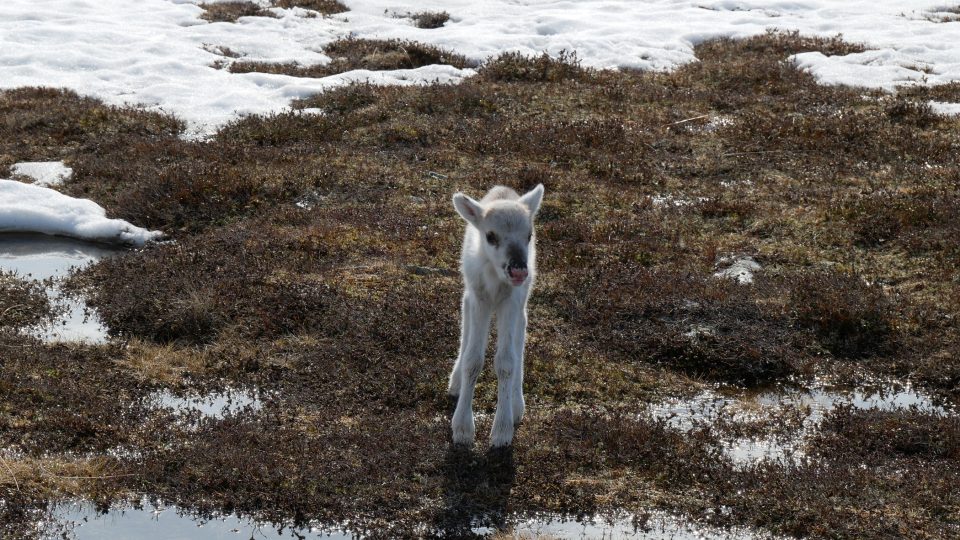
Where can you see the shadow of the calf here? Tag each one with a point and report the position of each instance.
(476, 490)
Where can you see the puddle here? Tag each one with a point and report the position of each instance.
(655, 526)
(213, 405)
(41, 257)
(810, 406)
(156, 521)
(81, 521)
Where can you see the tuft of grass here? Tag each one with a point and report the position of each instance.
(430, 19)
(544, 68)
(326, 7)
(853, 319)
(388, 54)
(231, 11)
(944, 14)
(47, 123)
(920, 114)
(949, 92)
(356, 53)
(164, 364)
(22, 303)
(875, 436)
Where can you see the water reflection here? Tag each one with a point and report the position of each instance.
(215, 405)
(42, 257)
(781, 407)
(82, 521)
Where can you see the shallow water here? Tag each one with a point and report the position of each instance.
(41, 257)
(813, 404)
(656, 526)
(214, 405)
(81, 521)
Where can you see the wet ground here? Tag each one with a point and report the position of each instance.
(788, 416)
(50, 259)
(156, 521)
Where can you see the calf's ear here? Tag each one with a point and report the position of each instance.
(532, 199)
(468, 209)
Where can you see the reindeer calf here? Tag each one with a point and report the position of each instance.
(498, 265)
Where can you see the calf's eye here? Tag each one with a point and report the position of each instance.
(492, 238)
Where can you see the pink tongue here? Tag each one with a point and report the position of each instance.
(518, 274)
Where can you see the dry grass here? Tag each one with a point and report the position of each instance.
(58, 477)
(355, 53)
(944, 14)
(22, 303)
(164, 364)
(231, 11)
(430, 19)
(326, 7)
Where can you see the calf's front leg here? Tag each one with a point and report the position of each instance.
(519, 343)
(507, 364)
(476, 326)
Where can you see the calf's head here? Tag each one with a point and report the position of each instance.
(506, 230)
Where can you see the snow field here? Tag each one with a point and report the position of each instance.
(160, 54)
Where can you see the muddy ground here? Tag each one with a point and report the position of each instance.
(313, 258)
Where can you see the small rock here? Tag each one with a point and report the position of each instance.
(738, 268)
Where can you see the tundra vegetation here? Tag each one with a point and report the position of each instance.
(314, 257)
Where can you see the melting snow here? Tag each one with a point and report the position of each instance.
(43, 173)
(946, 109)
(32, 208)
(814, 403)
(160, 54)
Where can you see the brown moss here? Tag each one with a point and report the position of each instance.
(544, 68)
(430, 19)
(24, 303)
(853, 319)
(326, 7)
(231, 11)
(353, 53)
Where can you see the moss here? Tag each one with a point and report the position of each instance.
(326, 7)
(353, 53)
(853, 319)
(24, 302)
(430, 19)
(231, 11)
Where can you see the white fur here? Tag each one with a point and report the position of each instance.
(488, 290)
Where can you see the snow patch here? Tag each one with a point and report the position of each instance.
(161, 55)
(814, 403)
(946, 109)
(667, 201)
(43, 173)
(33, 208)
